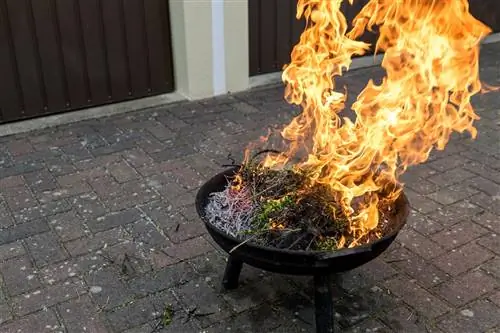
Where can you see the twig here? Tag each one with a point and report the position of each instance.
(190, 313)
(126, 266)
(229, 157)
(264, 152)
(291, 230)
(243, 243)
(395, 261)
(230, 165)
(102, 308)
(310, 243)
(267, 189)
(107, 258)
(203, 314)
(297, 240)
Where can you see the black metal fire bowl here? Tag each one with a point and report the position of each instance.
(320, 264)
(292, 261)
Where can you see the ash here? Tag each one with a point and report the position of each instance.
(231, 211)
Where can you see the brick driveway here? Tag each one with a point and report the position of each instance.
(99, 233)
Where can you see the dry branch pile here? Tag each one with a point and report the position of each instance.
(280, 208)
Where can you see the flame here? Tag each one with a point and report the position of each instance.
(276, 226)
(237, 183)
(431, 56)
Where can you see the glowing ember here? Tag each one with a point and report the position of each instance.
(431, 55)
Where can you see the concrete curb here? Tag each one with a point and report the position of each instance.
(90, 113)
(272, 78)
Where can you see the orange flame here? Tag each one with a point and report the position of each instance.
(277, 226)
(431, 56)
(237, 183)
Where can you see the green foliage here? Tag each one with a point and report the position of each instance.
(167, 316)
(269, 208)
(326, 244)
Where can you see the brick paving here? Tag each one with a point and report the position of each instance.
(99, 233)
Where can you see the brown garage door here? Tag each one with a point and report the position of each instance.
(487, 11)
(62, 55)
(274, 30)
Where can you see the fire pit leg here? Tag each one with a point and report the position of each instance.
(323, 303)
(232, 273)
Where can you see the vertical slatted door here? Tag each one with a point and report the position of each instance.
(63, 55)
(487, 11)
(274, 30)
(350, 12)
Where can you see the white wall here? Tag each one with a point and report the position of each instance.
(210, 46)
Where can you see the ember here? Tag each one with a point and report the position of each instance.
(340, 193)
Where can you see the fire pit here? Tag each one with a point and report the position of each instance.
(328, 198)
(319, 264)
